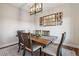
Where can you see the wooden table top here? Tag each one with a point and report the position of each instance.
(40, 40)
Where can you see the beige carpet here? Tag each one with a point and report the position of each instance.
(12, 51)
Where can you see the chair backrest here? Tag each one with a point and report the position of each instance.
(59, 49)
(27, 41)
(45, 32)
(19, 35)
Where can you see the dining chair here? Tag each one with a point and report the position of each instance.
(20, 42)
(29, 45)
(53, 49)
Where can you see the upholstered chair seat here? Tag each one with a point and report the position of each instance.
(51, 49)
(35, 46)
(67, 52)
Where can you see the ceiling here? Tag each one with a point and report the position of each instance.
(26, 6)
(19, 5)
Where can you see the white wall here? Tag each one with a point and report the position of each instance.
(68, 26)
(26, 22)
(75, 18)
(0, 25)
(8, 24)
(11, 20)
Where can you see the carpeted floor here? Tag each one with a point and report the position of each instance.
(12, 51)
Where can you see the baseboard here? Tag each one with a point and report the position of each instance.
(8, 45)
(70, 44)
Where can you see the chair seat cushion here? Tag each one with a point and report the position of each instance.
(51, 49)
(67, 52)
(35, 46)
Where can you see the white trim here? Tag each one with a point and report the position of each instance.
(8, 44)
(70, 44)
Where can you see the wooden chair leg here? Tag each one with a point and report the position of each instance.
(60, 54)
(24, 52)
(40, 51)
(31, 53)
(19, 48)
(44, 54)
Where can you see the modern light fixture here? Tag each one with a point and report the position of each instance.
(37, 7)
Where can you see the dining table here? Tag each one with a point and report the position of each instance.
(40, 40)
(44, 40)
